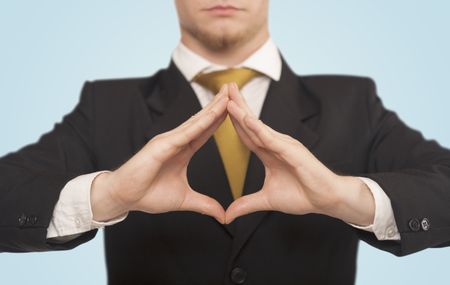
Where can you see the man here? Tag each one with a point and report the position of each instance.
(331, 162)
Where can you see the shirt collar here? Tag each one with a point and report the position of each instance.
(266, 60)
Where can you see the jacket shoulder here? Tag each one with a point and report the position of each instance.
(337, 82)
(339, 90)
(122, 87)
(113, 86)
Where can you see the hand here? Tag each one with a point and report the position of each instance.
(155, 179)
(296, 181)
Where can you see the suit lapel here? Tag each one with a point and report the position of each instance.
(171, 102)
(287, 109)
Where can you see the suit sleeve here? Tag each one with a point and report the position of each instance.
(32, 178)
(415, 174)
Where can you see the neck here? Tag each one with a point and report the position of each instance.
(229, 56)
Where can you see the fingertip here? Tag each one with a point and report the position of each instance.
(215, 210)
(232, 212)
(231, 90)
(237, 94)
(221, 220)
(228, 221)
(224, 90)
(234, 90)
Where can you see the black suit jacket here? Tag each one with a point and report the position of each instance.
(339, 118)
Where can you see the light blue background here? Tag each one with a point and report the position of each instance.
(49, 48)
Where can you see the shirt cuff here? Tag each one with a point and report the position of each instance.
(384, 226)
(73, 213)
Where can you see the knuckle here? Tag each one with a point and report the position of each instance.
(186, 136)
(213, 113)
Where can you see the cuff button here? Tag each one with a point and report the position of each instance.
(31, 220)
(22, 220)
(425, 223)
(414, 225)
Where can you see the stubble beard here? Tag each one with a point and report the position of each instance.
(222, 39)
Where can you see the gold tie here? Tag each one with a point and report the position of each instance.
(235, 155)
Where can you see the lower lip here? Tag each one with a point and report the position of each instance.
(222, 11)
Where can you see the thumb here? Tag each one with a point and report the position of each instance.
(203, 204)
(247, 204)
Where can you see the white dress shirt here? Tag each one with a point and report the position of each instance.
(73, 214)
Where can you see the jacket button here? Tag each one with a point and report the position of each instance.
(425, 223)
(238, 275)
(414, 225)
(22, 220)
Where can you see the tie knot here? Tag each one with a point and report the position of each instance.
(215, 80)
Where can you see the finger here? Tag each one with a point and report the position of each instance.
(239, 115)
(218, 109)
(169, 143)
(247, 204)
(248, 138)
(267, 135)
(203, 204)
(236, 96)
(223, 93)
(260, 153)
(201, 125)
(165, 145)
(199, 116)
(238, 100)
(202, 138)
(197, 143)
(243, 135)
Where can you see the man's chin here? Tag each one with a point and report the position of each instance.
(220, 42)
